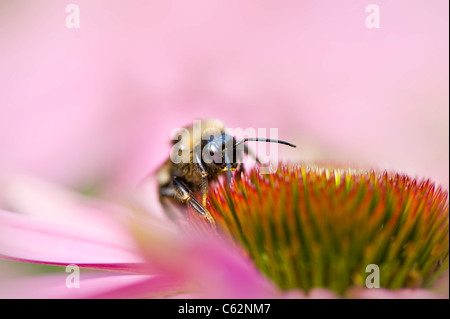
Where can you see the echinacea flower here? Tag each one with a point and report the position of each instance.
(308, 227)
(302, 232)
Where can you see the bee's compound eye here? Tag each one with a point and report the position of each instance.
(214, 152)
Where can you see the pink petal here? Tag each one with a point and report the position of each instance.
(208, 266)
(92, 285)
(26, 237)
(148, 287)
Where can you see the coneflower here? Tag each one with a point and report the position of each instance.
(307, 227)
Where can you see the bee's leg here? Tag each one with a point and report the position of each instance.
(204, 185)
(181, 193)
(229, 176)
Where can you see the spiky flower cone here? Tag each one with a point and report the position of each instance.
(321, 227)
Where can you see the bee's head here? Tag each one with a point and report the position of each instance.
(220, 151)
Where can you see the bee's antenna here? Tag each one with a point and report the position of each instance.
(263, 140)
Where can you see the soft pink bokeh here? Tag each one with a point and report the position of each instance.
(97, 104)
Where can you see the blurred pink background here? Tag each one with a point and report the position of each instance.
(96, 105)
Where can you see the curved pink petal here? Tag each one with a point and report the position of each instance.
(91, 285)
(209, 266)
(26, 237)
(146, 287)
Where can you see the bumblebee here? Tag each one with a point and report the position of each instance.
(199, 156)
